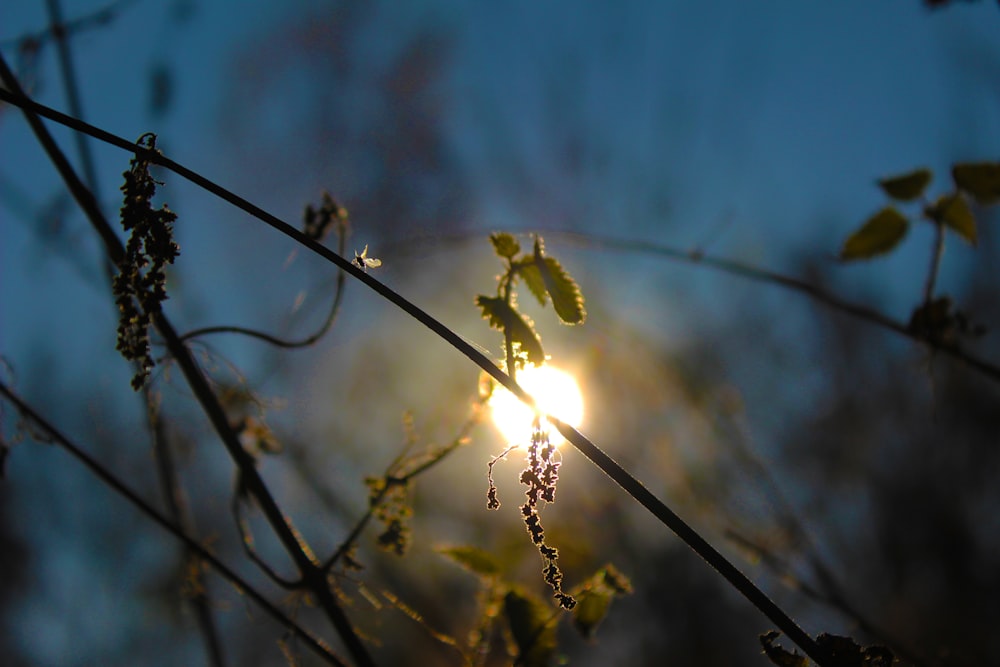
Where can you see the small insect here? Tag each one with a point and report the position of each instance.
(364, 262)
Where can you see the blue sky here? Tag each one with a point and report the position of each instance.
(755, 129)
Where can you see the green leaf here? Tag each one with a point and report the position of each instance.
(591, 607)
(474, 559)
(504, 244)
(563, 290)
(531, 625)
(503, 317)
(532, 278)
(594, 598)
(880, 234)
(779, 656)
(979, 179)
(906, 187)
(953, 211)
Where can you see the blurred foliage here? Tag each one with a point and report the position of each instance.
(798, 429)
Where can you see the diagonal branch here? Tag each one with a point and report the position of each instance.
(314, 578)
(108, 478)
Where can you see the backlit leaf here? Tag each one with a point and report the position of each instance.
(880, 234)
(532, 625)
(591, 608)
(594, 598)
(906, 187)
(503, 317)
(563, 290)
(533, 279)
(504, 244)
(474, 559)
(979, 179)
(953, 211)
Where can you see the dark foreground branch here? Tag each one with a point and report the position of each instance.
(632, 486)
(313, 578)
(195, 547)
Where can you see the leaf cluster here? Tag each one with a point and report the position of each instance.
(546, 280)
(140, 285)
(934, 319)
(882, 232)
(529, 622)
(389, 499)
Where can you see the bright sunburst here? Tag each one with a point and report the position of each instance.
(556, 393)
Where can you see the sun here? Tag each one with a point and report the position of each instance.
(555, 391)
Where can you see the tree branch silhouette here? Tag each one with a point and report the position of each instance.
(313, 578)
(112, 481)
(308, 568)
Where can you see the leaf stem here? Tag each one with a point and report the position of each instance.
(936, 254)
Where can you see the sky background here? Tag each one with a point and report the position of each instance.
(753, 131)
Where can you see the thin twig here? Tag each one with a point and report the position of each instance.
(937, 252)
(858, 311)
(67, 66)
(743, 270)
(352, 537)
(313, 577)
(632, 486)
(331, 317)
(95, 19)
(113, 482)
(179, 515)
(589, 449)
(246, 537)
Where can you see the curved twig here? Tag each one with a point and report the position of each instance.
(373, 503)
(331, 317)
(314, 578)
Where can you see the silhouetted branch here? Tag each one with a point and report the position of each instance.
(631, 485)
(112, 481)
(178, 512)
(66, 65)
(313, 577)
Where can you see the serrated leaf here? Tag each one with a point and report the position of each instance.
(594, 598)
(881, 233)
(979, 179)
(531, 625)
(504, 244)
(563, 290)
(591, 607)
(953, 211)
(907, 187)
(503, 317)
(474, 559)
(533, 279)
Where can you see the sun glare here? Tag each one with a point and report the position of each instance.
(556, 393)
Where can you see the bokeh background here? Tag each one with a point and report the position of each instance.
(850, 472)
